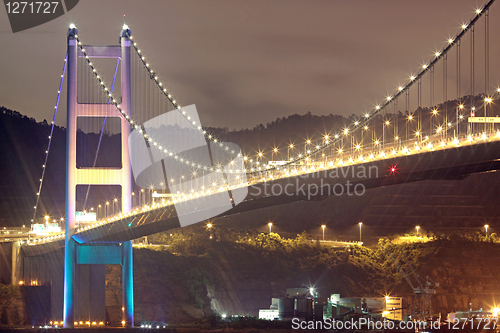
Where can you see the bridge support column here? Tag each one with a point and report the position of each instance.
(16, 263)
(69, 282)
(70, 214)
(126, 92)
(127, 285)
(90, 280)
(127, 260)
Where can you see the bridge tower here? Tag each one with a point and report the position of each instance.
(84, 264)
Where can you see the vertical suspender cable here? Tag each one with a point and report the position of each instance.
(432, 86)
(396, 121)
(458, 72)
(472, 74)
(408, 111)
(472, 66)
(432, 99)
(419, 110)
(445, 93)
(486, 52)
(487, 60)
(459, 98)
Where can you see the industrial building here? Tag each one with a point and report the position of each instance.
(304, 303)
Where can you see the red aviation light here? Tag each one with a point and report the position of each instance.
(393, 170)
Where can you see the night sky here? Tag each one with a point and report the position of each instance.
(248, 62)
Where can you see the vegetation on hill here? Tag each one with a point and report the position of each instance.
(188, 277)
(239, 272)
(12, 306)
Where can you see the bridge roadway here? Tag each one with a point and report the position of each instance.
(452, 163)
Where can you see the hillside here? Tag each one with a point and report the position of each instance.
(240, 273)
(189, 277)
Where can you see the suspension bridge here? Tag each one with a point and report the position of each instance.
(440, 124)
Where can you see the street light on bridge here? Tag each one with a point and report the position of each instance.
(409, 119)
(275, 150)
(434, 115)
(360, 224)
(323, 227)
(417, 227)
(308, 142)
(487, 100)
(386, 123)
(365, 128)
(270, 224)
(486, 227)
(289, 147)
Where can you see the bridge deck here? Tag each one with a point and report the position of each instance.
(451, 163)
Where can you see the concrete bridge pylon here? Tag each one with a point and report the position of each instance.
(84, 263)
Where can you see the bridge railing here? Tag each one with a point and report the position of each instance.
(374, 153)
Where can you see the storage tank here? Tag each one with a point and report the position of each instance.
(285, 308)
(304, 308)
(318, 311)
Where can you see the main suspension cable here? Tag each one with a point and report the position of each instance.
(44, 167)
